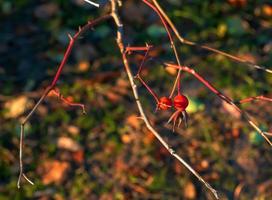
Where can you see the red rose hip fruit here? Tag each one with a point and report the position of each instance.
(181, 102)
(164, 103)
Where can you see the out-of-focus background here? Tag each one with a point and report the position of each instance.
(109, 153)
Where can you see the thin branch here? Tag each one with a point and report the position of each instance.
(257, 98)
(224, 98)
(67, 101)
(92, 3)
(188, 42)
(173, 46)
(120, 44)
(51, 87)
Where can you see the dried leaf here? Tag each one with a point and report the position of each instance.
(149, 138)
(83, 66)
(171, 70)
(190, 191)
(73, 130)
(68, 144)
(126, 138)
(133, 121)
(54, 171)
(15, 107)
(78, 156)
(267, 10)
(113, 96)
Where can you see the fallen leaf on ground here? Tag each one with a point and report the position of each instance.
(126, 138)
(267, 10)
(68, 144)
(189, 191)
(83, 66)
(15, 107)
(53, 171)
(73, 130)
(133, 121)
(78, 156)
(171, 70)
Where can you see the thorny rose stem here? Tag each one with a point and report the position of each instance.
(120, 43)
(51, 87)
(226, 99)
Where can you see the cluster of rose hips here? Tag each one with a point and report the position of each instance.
(180, 103)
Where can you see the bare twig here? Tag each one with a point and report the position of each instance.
(257, 98)
(173, 46)
(120, 44)
(92, 3)
(51, 87)
(188, 42)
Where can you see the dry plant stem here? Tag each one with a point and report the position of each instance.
(164, 22)
(68, 102)
(185, 41)
(257, 98)
(224, 98)
(51, 87)
(136, 96)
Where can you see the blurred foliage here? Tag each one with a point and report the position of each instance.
(108, 153)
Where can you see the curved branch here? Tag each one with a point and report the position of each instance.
(51, 87)
(190, 43)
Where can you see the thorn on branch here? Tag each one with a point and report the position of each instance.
(67, 101)
(70, 37)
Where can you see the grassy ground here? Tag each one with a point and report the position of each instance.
(109, 153)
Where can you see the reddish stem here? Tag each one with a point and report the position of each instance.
(161, 18)
(51, 87)
(131, 49)
(147, 49)
(249, 99)
(148, 88)
(67, 101)
(71, 44)
(223, 97)
(143, 61)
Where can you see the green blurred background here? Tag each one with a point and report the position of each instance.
(109, 153)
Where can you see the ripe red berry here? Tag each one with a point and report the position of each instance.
(181, 102)
(164, 103)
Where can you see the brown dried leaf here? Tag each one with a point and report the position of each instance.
(83, 66)
(68, 144)
(149, 138)
(73, 130)
(171, 70)
(15, 107)
(78, 156)
(190, 191)
(126, 138)
(113, 96)
(267, 10)
(54, 171)
(133, 121)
